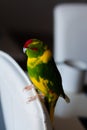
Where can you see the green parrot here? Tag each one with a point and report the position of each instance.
(44, 74)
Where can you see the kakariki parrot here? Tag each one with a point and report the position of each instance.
(44, 74)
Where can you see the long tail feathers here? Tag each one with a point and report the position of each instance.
(51, 106)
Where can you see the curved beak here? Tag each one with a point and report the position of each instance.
(24, 49)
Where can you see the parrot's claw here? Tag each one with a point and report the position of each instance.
(29, 87)
(32, 98)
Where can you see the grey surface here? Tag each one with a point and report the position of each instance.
(2, 123)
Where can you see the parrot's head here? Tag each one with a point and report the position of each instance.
(34, 48)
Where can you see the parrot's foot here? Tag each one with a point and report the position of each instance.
(32, 98)
(29, 87)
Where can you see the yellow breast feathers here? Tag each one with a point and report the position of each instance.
(32, 62)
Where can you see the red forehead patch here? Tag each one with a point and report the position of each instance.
(27, 43)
